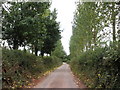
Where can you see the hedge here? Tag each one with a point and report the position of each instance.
(99, 68)
(20, 68)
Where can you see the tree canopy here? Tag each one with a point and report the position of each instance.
(30, 24)
(90, 21)
(59, 51)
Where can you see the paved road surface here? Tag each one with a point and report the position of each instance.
(60, 78)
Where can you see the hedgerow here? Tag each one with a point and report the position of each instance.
(99, 68)
(20, 68)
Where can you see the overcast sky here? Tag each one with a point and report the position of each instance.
(65, 10)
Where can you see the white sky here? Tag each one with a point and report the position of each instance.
(65, 10)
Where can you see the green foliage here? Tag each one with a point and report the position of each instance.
(23, 21)
(92, 60)
(51, 62)
(89, 21)
(31, 24)
(98, 68)
(19, 68)
(52, 34)
(59, 51)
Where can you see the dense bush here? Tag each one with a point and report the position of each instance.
(19, 68)
(99, 68)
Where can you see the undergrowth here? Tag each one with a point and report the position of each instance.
(20, 68)
(98, 68)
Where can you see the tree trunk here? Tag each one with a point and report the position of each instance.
(42, 53)
(32, 49)
(36, 51)
(94, 38)
(113, 23)
(114, 37)
(89, 45)
(50, 53)
(24, 49)
(15, 44)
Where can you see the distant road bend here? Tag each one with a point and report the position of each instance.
(60, 78)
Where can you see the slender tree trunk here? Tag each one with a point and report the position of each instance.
(36, 51)
(89, 44)
(24, 49)
(119, 29)
(32, 49)
(50, 53)
(113, 23)
(114, 37)
(42, 53)
(94, 38)
(15, 44)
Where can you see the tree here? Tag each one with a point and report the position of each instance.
(85, 28)
(59, 52)
(110, 12)
(52, 33)
(31, 24)
(11, 25)
(89, 21)
(23, 23)
(38, 29)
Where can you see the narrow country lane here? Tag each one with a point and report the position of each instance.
(60, 78)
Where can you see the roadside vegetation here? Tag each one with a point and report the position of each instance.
(32, 34)
(98, 68)
(34, 43)
(20, 68)
(95, 44)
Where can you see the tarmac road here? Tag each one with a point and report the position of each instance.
(60, 78)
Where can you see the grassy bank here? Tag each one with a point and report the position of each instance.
(20, 68)
(99, 68)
